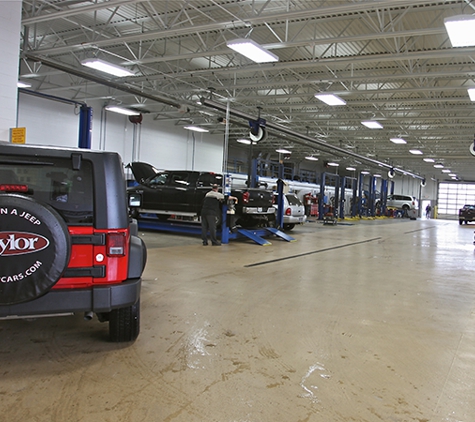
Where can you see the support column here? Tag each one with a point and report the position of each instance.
(10, 26)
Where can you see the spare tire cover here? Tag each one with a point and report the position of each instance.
(34, 248)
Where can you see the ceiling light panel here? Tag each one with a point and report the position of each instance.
(398, 140)
(252, 50)
(106, 67)
(194, 128)
(372, 124)
(461, 30)
(330, 99)
(122, 110)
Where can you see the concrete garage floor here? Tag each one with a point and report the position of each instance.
(367, 322)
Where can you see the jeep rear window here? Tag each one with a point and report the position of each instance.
(53, 181)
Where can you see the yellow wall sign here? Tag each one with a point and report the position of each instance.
(18, 135)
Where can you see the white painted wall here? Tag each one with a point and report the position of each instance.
(10, 20)
(163, 145)
(48, 122)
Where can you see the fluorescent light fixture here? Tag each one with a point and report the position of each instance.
(351, 169)
(453, 175)
(446, 171)
(21, 84)
(195, 128)
(244, 141)
(283, 151)
(416, 151)
(372, 124)
(377, 175)
(330, 99)
(105, 67)
(461, 30)
(398, 141)
(438, 166)
(471, 93)
(252, 50)
(332, 164)
(365, 172)
(311, 158)
(121, 110)
(429, 160)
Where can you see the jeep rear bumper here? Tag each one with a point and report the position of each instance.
(96, 299)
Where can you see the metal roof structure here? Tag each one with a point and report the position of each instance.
(389, 60)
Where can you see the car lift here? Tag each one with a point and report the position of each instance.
(257, 235)
(151, 222)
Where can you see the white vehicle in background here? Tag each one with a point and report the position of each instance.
(401, 202)
(294, 211)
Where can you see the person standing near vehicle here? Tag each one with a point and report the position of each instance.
(428, 210)
(210, 213)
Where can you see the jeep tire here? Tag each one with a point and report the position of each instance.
(35, 248)
(124, 323)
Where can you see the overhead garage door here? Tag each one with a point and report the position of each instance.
(453, 196)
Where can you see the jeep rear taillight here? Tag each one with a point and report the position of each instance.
(245, 197)
(13, 188)
(288, 211)
(115, 244)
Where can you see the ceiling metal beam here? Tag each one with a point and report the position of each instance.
(103, 81)
(277, 129)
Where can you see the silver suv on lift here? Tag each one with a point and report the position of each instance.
(402, 202)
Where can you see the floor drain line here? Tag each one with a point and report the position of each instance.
(420, 230)
(311, 253)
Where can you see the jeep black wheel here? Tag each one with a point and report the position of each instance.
(124, 323)
(35, 248)
(288, 227)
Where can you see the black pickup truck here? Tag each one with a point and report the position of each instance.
(467, 214)
(167, 193)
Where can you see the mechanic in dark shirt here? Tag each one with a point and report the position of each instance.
(210, 213)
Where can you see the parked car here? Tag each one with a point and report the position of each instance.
(181, 192)
(467, 214)
(400, 202)
(293, 211)
(67, 244)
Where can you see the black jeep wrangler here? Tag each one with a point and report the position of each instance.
(67, 244)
